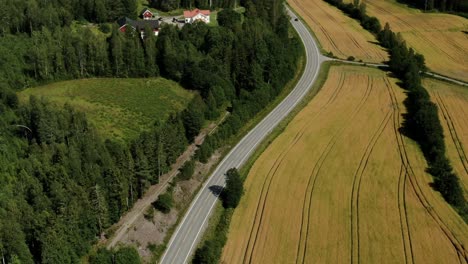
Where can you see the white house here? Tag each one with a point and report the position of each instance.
(197, 15)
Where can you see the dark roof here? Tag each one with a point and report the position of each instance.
(138, 24)
(144, 10)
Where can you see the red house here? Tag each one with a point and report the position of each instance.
(146, 14)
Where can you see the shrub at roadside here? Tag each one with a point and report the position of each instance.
(164, 202)
(232, 194)
(186, 172)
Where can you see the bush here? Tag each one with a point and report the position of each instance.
(123, 255)
(105, 28)
(149, 214)
(186, 172)
(164, 203)
(211, 250)
(234, 189)
(351, 58)
(126, 255)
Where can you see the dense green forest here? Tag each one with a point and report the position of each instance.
(62, 184)
(18, 16)
(441, 5)
(167, 5)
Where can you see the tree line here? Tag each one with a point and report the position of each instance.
(63, 184)
(212, 248)
(168, 5)
(422, 122)
(17, 16)
(444, 5)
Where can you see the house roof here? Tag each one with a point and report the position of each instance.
(192, 13)
(139, 24)
(144, 11)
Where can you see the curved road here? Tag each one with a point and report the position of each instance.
(185, 238)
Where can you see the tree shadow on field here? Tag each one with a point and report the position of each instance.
(374, 42)
(216, 190)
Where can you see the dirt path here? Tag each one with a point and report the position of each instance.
(128, 220)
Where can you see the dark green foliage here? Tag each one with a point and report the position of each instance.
(230, 19)
(126, 255)
(193, 118)
(186, 172)
(28, 16)
(234, 189)
(164, 202)
(62, 184)
(123, 255)
(168, 5)
(211, 250)
(149, 214)
(445, 5)
(73, 185)
(102, 256)
(358, 12)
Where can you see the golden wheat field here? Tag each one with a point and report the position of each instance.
(441, 38)
(452, 102)
(338, 33)
(341, 185)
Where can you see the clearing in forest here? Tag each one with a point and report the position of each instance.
(341, 184)
(338, 33)
(441, 38)
(452, 101)
(118, 108)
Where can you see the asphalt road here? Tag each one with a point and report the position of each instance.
(190, 229)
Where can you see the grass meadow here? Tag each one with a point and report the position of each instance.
(118, 108)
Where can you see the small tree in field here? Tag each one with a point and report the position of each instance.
(234, 189)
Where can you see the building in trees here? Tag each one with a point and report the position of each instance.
(146, 14)
(197, 15)
(139, 25)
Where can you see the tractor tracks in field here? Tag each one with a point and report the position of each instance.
(324, 31)
(365, 51)
(415, 186)
(261, 204)
(402, 178)
(301, 251)
(357, 178)
(452, 130)
(413, 29)
(350, 36)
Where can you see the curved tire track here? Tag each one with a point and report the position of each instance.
(458, 246)
(248, 253)
(357, 178)
(306, 213)
(452, 130)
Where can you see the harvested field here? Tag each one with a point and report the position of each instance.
(452, 101)
(338, 33)
(341, 184)
(441, 38)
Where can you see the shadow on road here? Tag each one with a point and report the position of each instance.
(216, 189)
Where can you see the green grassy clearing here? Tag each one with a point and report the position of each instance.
(119, 108)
